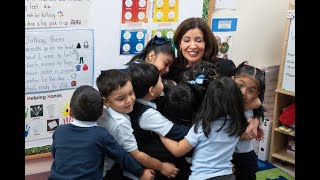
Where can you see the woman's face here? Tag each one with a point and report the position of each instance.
(192, 46)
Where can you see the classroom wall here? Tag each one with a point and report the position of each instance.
(47, 107)
(260, 31)
(106, 23)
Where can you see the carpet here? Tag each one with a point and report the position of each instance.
(268, 171)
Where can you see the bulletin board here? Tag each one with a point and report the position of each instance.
(67, 44)
(59, 57)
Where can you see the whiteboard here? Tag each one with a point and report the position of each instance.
(288, 81)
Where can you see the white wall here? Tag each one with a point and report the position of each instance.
(258, 39)
(260, 31)
(106, 19)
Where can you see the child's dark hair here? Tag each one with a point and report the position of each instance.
(168, 84)
(223, 98)
(182, 101)
(156, 44)
(86, 104)
(144, 76)
(208, 69)
(111, 80)
(226, 67)
(245, 69)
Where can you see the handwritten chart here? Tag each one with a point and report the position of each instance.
(58, 60)
(288, 82)
(56, 13)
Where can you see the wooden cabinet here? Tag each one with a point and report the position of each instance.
(284, 97)
(279, 139)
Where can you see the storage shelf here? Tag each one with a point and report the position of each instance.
(283, 98)
(290, 134)
(284, 156)
(285, 92)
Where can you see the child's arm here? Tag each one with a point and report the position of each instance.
(177, 132)
(178, 149)
(118, 154)
(167, 169)
(153, 120)
(127, 139)
(254, 104)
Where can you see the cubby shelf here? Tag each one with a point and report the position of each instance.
(283, 98)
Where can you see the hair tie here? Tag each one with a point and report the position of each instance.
(199, 80)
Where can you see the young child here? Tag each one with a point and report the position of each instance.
(79, 148)
(201, 74)
(159, 52)
(118, 98)
(219, 123)
(146, 120)
(251, 81)
(181, 103)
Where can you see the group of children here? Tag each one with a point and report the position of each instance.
(190, 128)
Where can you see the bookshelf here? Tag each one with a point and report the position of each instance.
(284, 94)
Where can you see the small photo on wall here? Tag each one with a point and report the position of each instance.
(36, 110)
(52, 124)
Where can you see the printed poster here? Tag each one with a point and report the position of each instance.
(163, 33)
(132, 41)
(139, 23)
(134, 11)
(225, 44)
(44, 112)
(165, 11)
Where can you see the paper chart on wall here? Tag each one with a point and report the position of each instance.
(44, 112)
(62, 13)
(58, 60)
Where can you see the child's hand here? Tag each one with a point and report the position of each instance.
(169, 170)
(148, 174)
(260, 134)
(252, 129)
